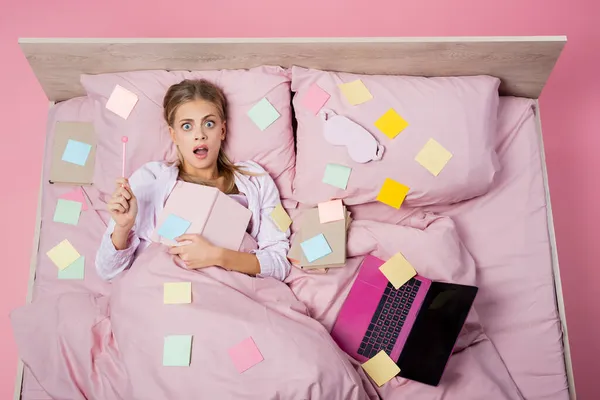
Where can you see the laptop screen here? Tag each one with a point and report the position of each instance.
(434, 333)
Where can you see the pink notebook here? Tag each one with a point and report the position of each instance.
(193, 208)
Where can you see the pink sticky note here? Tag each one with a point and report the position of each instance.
(315, 98)
(121, 101)
(331, 211)
(245, 355)
(76, 195)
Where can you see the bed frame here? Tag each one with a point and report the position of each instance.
(523, 64)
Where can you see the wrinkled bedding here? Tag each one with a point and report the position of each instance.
(111, 345)
(90, 339)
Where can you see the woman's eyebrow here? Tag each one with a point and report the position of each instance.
(192, 120)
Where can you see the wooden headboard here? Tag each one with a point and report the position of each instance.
(522, 63)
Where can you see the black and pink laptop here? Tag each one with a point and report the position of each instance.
(417, 325)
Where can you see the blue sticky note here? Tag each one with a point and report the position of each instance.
(173, 226)
(76, 152)
(315, 248)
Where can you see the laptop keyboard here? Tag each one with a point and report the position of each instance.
(388, 319)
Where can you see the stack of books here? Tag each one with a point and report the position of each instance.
(335, 233)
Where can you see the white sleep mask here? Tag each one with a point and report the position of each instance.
(340, 131)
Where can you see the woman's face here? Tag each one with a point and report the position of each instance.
(198, 131)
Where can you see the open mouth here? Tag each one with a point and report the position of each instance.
(201, 151)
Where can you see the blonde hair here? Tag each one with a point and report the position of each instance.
(201, 89)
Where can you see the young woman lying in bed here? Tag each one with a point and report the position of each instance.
(196, 113)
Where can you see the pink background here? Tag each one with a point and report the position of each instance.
(570, 103)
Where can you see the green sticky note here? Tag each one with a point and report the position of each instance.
(263, 114)
(74, 271)
(177, 351)
(67, 211)
(337, 175)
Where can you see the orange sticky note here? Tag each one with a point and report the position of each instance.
(381, 368)
(281, 218)
(330, 211)
(355, 92)
(63, 254)
(391, 123)
(177, 293)
(433, 157)
(397, 270)
(121, 101)
(392, 193)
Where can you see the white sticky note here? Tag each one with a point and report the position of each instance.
(121, 101)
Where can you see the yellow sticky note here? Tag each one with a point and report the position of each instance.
(356, 92)
(391, 123)
(281, 218)
(63, 254)
(381, 368)
(177, 292)
(392, 193)
(433, 156)
(397, 270)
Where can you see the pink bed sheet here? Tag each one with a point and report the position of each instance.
(504, 231)
(84, 237)
(108, 346)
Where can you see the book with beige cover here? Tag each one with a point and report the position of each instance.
(62, 171)
(335, 233)
(211, 213)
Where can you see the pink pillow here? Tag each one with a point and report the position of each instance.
(458, 112)
(148, 134)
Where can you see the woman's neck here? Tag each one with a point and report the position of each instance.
(206, 174)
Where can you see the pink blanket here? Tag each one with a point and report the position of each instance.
(113, 349)
(432, 244)
(110, 347)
